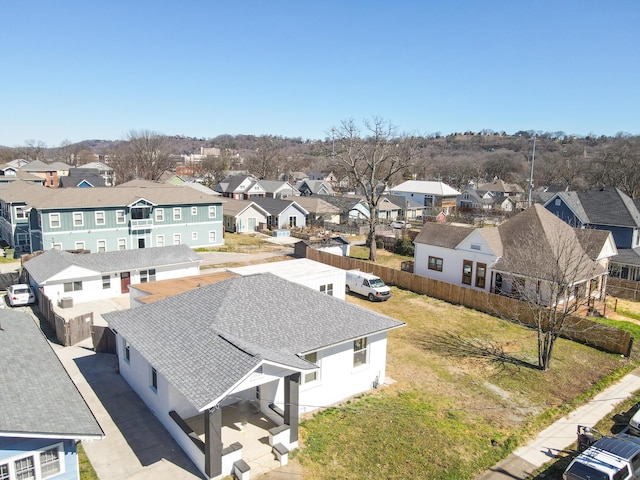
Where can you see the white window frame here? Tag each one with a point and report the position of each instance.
(72, 286)
(100, 217)
(312, 377)
(79, 245)
(194, 235)
(53, 219)
(81, 218)
(159, 214)
(358, 361)
(177, 214)
(98, 243)
(194, 211)
(213, 213)
(159, 240)
(328, 289)
(148, 275)
(106, 282)
(177, 239)
(121, 217)
(122, 242)
(213, 236)
(126, 351)
(21, 213)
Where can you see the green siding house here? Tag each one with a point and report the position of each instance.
(134, 215)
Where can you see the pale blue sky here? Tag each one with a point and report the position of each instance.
(80, 70)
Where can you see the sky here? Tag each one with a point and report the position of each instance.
(80, 70)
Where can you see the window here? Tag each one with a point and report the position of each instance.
(177, 214)
(194, 235)
(212, 236)
(292, 222)
(558, 202)
(106, 282)
(78, 245)
(49, 462)
(360, 352)
(99, 218)
(120, 216)
(160, 241)
(177, 240)
(54, 220)
(122, 244)
(328, 289)
(467, 268)
(4, 472)
(435, 263)
(73, 286)
(154, 379)
(78, 219)
(313, 376)
(56, 246)
(212, 211)
(475, 246)
(21, 212)
(101, 246)
(148, 275)
(127, 351)
(160, 215)
(194, 210)
(481, 274)
(25, 468)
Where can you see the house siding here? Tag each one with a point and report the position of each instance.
(13, 448)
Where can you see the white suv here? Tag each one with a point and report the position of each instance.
(597, 463)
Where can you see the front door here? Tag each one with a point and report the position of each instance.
(252, 224)
(141, 243)
(125, 281)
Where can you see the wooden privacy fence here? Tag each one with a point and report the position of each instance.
(68, 331)
(576, 328)
(621, 288)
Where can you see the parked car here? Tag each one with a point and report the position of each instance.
(20, 294)
(368, 285)
(597, 463)
(634, 424)
(400, 224)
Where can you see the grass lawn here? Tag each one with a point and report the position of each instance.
(450, 414)
(86, 470)
(385, 258)
(243, 243)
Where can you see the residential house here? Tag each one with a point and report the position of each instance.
(134, 215)
(606, 208)
(50, 172)
(352, 208)
(315, 187)
(496, 192)
(81, 178)
(43, 414)
(243, 216)
(278, 189)
(283, 213)
(320, 211)
(471, 199)
(95, 276)
(520, 253)
(388, 210)
(410, 209)
(10, 173)
(315, 275)
(241, 187)
(289, 350)
(328, 177)
(104, 170)
(437, 196)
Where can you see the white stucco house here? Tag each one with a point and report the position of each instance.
(95, 276)
(257, 344)
(524, 253)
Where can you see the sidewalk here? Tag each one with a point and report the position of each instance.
(559, 436)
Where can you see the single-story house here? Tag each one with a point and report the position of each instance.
(243, 216)
(278, 189)
(257, 344)
(528, 250)
(93, 276)
(319, 210)
(283, 213)
(43, 414)
(315, 187)
(352, 207)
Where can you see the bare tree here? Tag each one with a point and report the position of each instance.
(619, 166)
(546, 267)
(371, 161)
(264, 159)
(149, 153)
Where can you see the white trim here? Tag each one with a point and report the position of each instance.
(96, 215)
(73, 216)
(124, 217)
(51, 217)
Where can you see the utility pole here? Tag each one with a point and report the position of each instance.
(533, 158)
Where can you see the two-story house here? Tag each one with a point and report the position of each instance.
(434, 195)
(106, 219)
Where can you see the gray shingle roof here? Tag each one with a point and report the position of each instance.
(37, 396)
(610, 206)
(627, 256)
(276, 206)
(442, 235)
(52, 262)
(219, 333)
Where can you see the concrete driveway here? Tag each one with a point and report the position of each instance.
(136, 445)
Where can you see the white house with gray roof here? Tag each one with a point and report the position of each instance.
(43, 414)
(95, 276)
(196, 358)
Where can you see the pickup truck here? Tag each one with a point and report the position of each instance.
(368, 285)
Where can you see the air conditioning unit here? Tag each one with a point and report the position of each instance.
(66, 302)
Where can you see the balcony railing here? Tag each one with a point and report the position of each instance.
(141, 224)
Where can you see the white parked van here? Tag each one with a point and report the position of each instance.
(368, 285)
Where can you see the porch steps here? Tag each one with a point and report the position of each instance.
(241, 470)
(282, 453)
